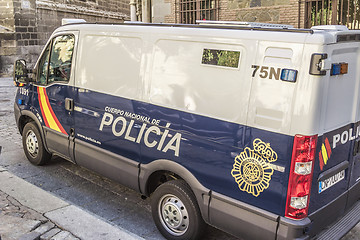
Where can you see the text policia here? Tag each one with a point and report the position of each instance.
(121, 128)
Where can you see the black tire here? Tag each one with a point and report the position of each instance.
(33, 145)
(175, 211)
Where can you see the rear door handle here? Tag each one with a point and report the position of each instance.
(69, 104)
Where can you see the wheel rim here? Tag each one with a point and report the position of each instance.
(32, 144)
(173, 215)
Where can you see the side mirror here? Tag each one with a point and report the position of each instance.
(20, 72)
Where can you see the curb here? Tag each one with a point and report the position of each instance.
(69, 218)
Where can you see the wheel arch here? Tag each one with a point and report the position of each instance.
(27, 116)
(160, 171)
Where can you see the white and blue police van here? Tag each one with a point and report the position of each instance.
(251, 128)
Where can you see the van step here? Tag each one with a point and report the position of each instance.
(343, 226)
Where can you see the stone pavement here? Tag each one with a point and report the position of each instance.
(18, 221)
(30, 213)
(21, 222)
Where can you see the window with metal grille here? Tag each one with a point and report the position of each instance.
(323, 12)
(192, 10)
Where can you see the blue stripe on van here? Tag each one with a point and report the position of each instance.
(208, 146)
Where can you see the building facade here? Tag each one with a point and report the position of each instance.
(269, 11)
(26, 25)
(298, 13)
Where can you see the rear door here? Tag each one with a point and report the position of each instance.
(337, 165)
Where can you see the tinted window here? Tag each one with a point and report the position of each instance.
(60, 58)
(221, 58)
(43, 67)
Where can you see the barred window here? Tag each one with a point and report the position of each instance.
(192, 10)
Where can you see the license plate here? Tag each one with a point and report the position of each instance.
(331, 181)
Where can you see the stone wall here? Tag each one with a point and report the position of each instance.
(7, 30)
(7, 15)
(50, 13)
(28, 24)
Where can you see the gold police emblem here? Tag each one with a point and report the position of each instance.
(252, 170)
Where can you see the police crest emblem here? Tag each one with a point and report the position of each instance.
(252, 170)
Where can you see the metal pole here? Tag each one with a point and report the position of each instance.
(146, 11)
(133, 17)
(299, 13)
(334, 12)
(348, 14)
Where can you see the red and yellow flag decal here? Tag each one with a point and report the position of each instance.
(19, 84)
(324, 153)
(47, 112)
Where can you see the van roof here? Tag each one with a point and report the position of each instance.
(272, 32)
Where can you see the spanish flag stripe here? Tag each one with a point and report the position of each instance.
(53, 114)
(328, 148)
(41, 108)
(46, 107)
(51, 120)
(324, 153)
(321, 161)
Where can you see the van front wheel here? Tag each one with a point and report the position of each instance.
(33, 145)
(175, 211)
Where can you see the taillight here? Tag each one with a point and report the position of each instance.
(301, 173)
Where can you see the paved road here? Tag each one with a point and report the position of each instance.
(119, 205)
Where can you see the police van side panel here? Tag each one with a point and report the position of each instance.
(168, 110)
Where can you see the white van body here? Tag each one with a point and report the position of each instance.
(261, 123)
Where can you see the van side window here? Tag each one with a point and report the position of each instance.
(222, 58)
(60, 58)
(43, 67)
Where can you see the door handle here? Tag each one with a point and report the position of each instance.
(69, 104)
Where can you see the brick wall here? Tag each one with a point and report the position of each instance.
(268, 11)
(282, 14)
(33, 21)
(171, 18)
